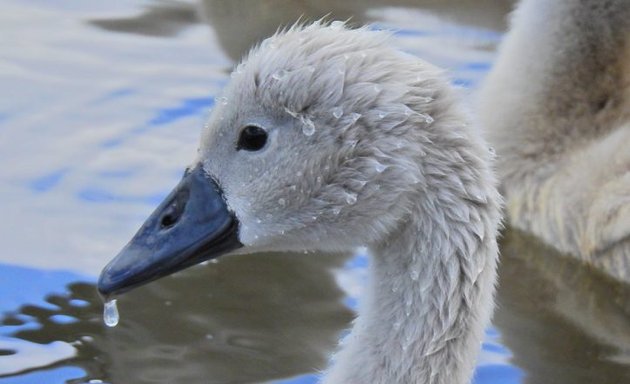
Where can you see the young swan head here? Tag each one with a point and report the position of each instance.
(324, 139)
(338, 118)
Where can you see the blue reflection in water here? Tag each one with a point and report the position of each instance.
(306, 379)
(23, 285)
(96, 195)
(498, 374)
(187, 108)
(48, 181)
(413, 32)
(49, 376)
(476, 66)
(196, 106)
(118, 93)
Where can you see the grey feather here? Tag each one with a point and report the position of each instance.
(557, 109)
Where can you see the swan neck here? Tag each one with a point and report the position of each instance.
(429, 298)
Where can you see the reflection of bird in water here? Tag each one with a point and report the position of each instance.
(557, 108)
(240, 24)
(564, 321)
(328, 139)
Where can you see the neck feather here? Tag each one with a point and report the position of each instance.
(429, 299)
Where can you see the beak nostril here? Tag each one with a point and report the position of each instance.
(174, 210)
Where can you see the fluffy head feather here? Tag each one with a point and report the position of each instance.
(353, 135)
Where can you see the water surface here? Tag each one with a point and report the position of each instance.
(103, 104)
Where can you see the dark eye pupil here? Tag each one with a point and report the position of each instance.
(252, 138)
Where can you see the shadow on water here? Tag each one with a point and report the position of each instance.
(564, 321)
(246, 319)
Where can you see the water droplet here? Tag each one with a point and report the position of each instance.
(377, 88)
(351, 198)
(308, 127)
(95, 381)
(168, 303)
(427, 119)
(110, 313)
(397, 325)
(379, 167)
(337, 112)
(258, 221)
(222, 100)
(336, 24)
(282, 202)
(319, 179)
(279, 75)
(290, 112)
(209, 336)
(336, 210)
(415, 275)
(382, 115)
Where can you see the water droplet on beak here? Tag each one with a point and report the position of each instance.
(110, 313)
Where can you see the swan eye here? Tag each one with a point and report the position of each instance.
(252, 138)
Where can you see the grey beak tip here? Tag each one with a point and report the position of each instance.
(106, 286)
(192, 225)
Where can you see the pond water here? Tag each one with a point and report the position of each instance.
(102, 108)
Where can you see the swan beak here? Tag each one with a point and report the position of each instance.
(193, 224)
